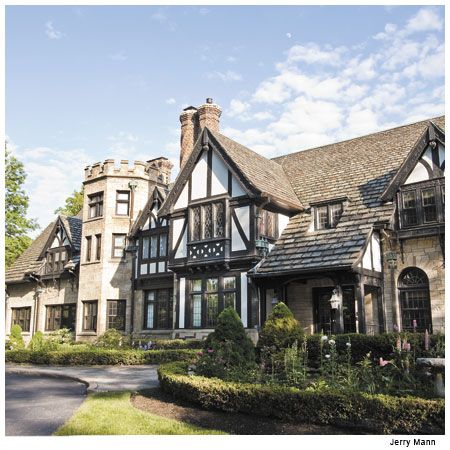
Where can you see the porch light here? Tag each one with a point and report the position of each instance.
(335, 299)
(262, 247)
(391, 258)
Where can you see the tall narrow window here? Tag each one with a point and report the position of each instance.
(123, 203)
(212, 301)
(118, 245)
(229, 292)
(88, 248)
(154, 246)
(196, 303)
(21, 317)
(158, 309)
(116, 314)
(208, 222)
(95, 203)
(414, 296)
(219, 219)
(90, 316)
(267, 224)
(409, 208)
(196, 224)
(429, 205)
(162, 245)
(145, 247)
(322, 217)
(98, 248)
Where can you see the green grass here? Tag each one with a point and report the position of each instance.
(112, 413)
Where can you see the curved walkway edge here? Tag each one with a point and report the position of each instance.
(96, 378)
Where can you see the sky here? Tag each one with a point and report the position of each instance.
(88, 83)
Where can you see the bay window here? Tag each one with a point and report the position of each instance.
(207, 221)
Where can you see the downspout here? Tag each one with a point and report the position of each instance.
(133, 251)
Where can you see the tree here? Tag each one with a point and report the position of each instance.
(74, 204)
(16, 204)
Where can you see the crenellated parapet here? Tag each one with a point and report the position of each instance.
(121, 168)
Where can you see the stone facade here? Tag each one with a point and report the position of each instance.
(57, 292)
(426, 254)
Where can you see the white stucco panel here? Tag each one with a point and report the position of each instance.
(376, 252)
(182, 200)
(182, 302)
(182, 248)
(282, 222)
(236, 241)
(177, 228)
(219, 175)
(419, 173)
(367, 259)
(244, 299)
(236, 188)
(243, 215)
(198, 178)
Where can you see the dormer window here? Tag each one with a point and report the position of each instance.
(56, 259)
(327, 216)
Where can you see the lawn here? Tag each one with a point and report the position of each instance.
(112, 413)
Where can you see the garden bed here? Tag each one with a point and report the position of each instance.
(72, 356)
(378, 413)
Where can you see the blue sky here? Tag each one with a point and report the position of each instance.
(88, 83)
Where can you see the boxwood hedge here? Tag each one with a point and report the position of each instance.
(98, 356)
(376, 413)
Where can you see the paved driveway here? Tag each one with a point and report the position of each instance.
(37, 405)
(100, 378)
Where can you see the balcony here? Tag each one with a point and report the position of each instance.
(217, 249)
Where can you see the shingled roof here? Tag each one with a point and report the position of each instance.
(358, 169)
(30, 262)
(264, 174)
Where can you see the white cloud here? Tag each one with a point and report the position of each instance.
(229, 75)
(203, 11)
(313, 54)
(288, 35)
(171, 101)
(237, 108)
(425, 20)
(231, 59)
(51, 32)
(119, 56)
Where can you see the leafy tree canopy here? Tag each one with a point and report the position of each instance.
(17, 225)
(73, 205)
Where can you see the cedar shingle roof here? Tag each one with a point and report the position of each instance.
(29, 260)
(359, 169)
(264, 174)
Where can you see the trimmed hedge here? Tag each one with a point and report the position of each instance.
(176, 344)
(380, 345)
(378, 413)
(92, 356)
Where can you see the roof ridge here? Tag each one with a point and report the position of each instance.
(356, 138)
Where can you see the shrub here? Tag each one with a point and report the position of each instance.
(280, 330)
(97, 356)
(15, 341)
(62, 336)
(164, 344)
(111, 338)
(37, 342)
(378, 413)
(227, 350)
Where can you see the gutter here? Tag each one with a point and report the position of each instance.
(301, 271)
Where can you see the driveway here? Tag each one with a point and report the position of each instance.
(99, 378)
(37, 405)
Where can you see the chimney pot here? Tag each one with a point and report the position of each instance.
(209, 100)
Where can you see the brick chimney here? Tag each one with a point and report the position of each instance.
(189, 132)
(209, 115)
(193, 120)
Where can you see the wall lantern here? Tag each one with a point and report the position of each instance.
(391, 258)
(262, 247)
(335, 299)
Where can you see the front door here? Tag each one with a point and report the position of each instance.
(327, 320)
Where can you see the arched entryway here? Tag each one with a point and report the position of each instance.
(414, 295)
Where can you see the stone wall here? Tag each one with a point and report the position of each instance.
(424, 253)
(56, 292)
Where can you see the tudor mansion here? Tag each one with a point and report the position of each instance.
(349, 235)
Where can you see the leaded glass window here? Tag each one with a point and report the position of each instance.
(219, 224)
(158, 309)
(429, 205)
(208, 222)
(196, 224)
(409, 208)
(415, 300)
(327, 216)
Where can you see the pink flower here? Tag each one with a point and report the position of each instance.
(200, 354)
(406, 346)
(414, 324)
(399, 344)
(427, 340)
(383, 362)
(210, 350)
